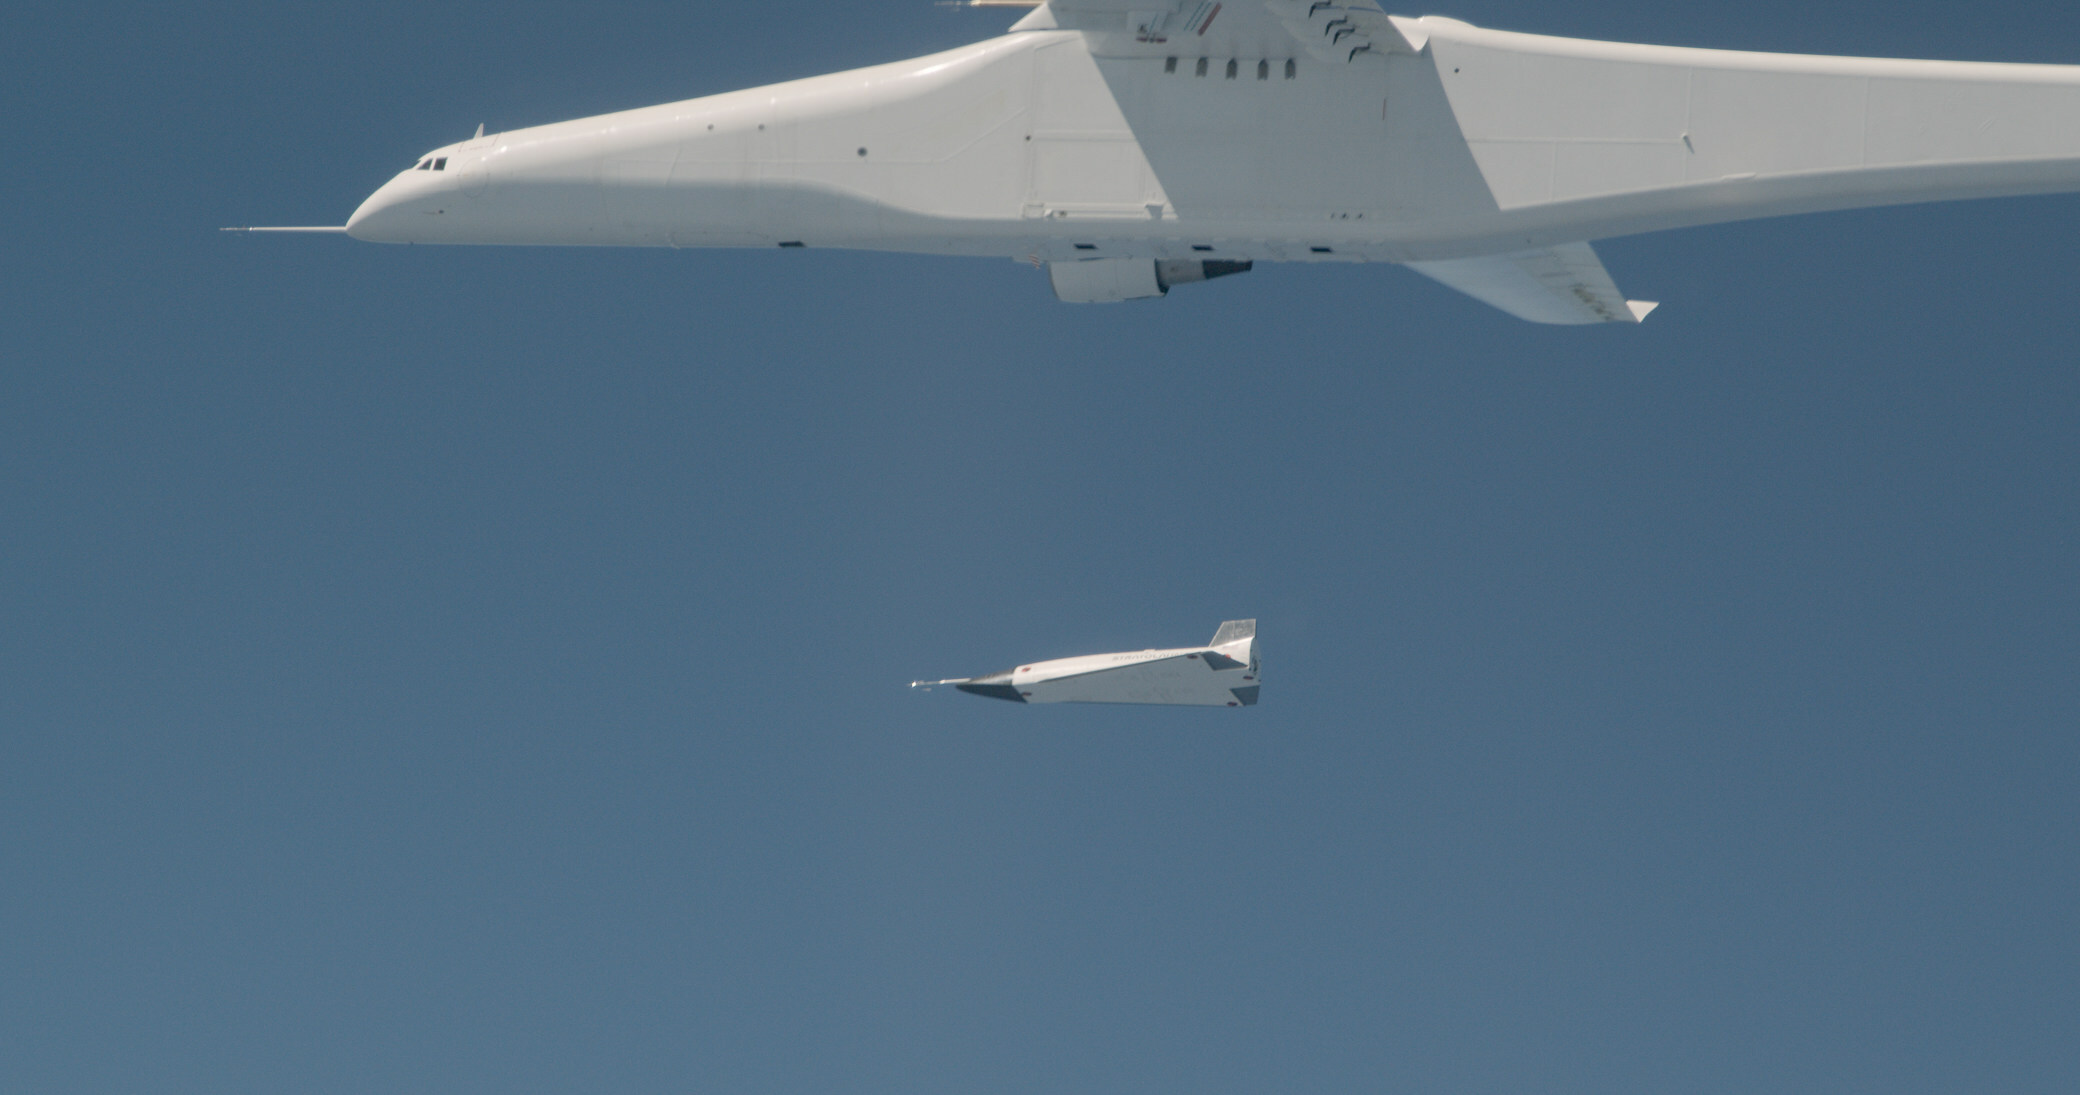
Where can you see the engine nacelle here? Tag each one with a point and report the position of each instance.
(1107, 281)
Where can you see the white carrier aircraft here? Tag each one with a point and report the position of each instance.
(1132, 145)
(1223, 673)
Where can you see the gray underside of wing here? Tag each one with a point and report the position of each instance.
(1566, 284)
(1187, 680)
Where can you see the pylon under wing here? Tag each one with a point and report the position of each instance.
(1223, 673)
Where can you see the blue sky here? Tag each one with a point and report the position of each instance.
(482, 669)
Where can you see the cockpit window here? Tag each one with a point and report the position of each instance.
(425, 165)
(441, 164)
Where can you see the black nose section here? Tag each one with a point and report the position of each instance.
(996, 686)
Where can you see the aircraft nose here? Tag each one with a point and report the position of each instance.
(401, 211)
(377, 218)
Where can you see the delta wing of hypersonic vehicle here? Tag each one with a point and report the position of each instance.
(1129, 146)
(1223, 673)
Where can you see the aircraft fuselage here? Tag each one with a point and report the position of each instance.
(1066, 146)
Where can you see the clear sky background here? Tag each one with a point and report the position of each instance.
(483, 669)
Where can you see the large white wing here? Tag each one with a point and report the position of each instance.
(1564, 284)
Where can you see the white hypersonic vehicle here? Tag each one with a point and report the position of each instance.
(1223, 673)
(1129, 146)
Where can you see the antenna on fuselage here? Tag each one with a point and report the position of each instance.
(480, 132)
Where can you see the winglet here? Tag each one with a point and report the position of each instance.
(1234, 631)
(1640, 308)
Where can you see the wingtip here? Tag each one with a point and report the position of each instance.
(1640, 309)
